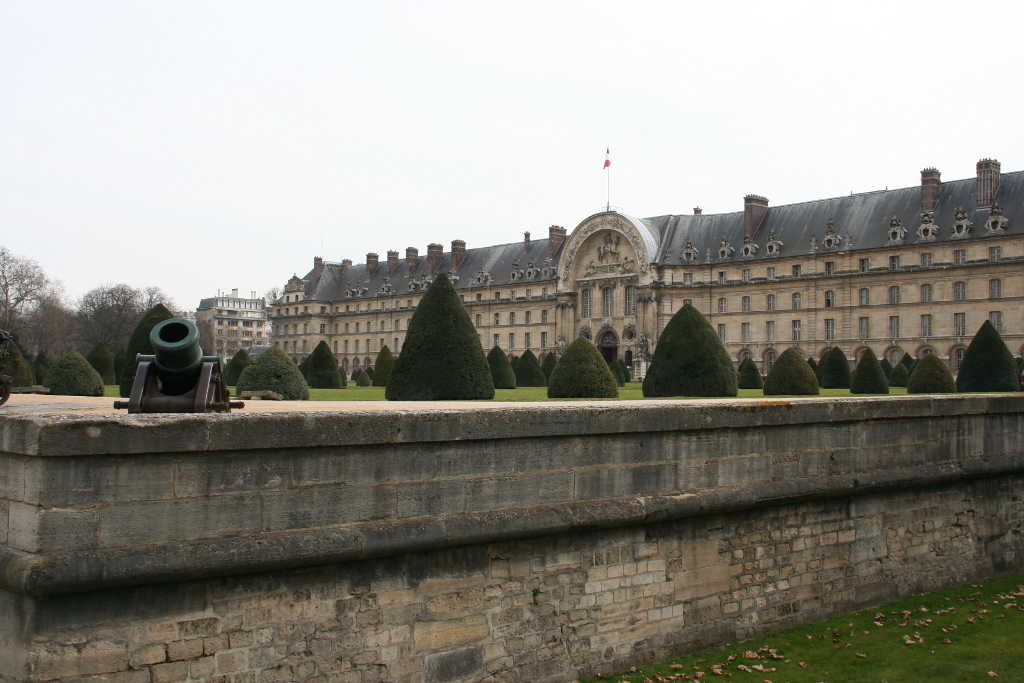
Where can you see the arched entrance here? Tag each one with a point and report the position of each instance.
(608, 343)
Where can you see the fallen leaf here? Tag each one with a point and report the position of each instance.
(802, 664)
(860, 655)
(993, 674)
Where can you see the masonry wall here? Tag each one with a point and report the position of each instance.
(501, 544)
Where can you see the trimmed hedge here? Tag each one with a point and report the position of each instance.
(441, 358)
(369, 372)
(582, 372)
(513, 360)
(814, 365)
(322, 369)
(749, 377)
(619, 372)
(988, 365)
(139, 343)
(355, 374)
(791, 375)
(274, 371)
(899, 376)
(363, 379)
(238, 363)
(835, 370)
(304, 368)
(382, 367)
(120, 358)
(690, 360)
(41, 365)
(548, 364)
(528, 372)
(908, 360)
(886, 367)
(868, 378)
(18, 368)
(74, 376)
(931, 376)
(502, 374)
(102, 362)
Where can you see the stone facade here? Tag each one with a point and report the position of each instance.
(228, 324)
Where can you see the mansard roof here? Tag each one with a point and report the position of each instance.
(865, 217)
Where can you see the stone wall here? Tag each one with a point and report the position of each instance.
(534, 544)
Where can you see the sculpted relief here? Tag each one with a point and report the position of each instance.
(603, 247)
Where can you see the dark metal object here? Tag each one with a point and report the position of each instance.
(6, 381)
(178, 378)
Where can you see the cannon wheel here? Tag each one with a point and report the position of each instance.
(5, 388)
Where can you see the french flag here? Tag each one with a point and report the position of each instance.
(607, 157)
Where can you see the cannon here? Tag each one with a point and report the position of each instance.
(178, 378)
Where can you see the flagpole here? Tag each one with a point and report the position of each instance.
(609, 206)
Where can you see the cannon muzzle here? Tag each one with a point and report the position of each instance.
(178, 356)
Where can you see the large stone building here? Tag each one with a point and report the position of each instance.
(228, 323)
(914, 270)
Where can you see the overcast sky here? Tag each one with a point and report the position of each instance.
(208, 145)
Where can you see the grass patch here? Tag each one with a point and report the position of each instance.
(956, 634)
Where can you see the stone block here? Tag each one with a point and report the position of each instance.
(154, 653)
(326, 506)
(207, 626)
(69, 481)
(160, 522)
(172, 672)
(495, 493)
(219, 474)
(240, 639)
(435, 497)
(36, 529)
(452, 601)
(59, 660)
(455, 665)
(320, 466)
(444, 635)
(230, 661)
(178, 650)
(201, 668)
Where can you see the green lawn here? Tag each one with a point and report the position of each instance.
(957, 634)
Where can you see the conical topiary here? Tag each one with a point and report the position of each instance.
(41, 361)
(835, 370)
(819, 367)
(988, 365)
(620, 374)
(626, 368)
(369, 372)
(1020, 362)
(322, 369)
(814, 365)
(886, 367)
(528, 372)
(364, 380)
(582, 372)
(18, 368)
(382, 367)
(546, 365)
(120, 358)
(868, 378)
(501, 370)
(513, 360)
(899, 376)
(304, 368)
(442, 358)
(239, 362)
(40, 373)
(908, 360)
(355, 373)
(749, 376)
(274, 371)
(102, 362)
(139, 343)
(791, 375)
(690, 360)
(931, 376)
(72, 375)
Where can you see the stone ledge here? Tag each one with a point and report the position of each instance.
(61, 573)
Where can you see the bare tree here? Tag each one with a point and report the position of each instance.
(108, 314)
(53, 327)
(151, 296)
(23, 286)
(272, 295)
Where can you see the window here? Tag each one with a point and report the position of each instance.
(926, 325)
(864, 327)
(830, 299)
(497, 320)
(544, 316)
(479, 296)
(721, 305)
(996, 318)
(797, 332)
(511, 340)
(796, 271)
(959, 257)
(769, 302)
(323, 328)
(926, 294)
(609, 302)
(771, 272)
(746, 274)
(512, 295)
(865, 265)
(526, 340)
(995, 289)
(894, 263)
(959, 324)
(830, 329)
(335, 328)
(478, 320)
(894, 357)
(958, 358)
(865, 296)
(529, 294)
(745, 332)
(543, 340)
(586, 303)
(746, 304)
(995, 253)
(357, 328)
(959, 291)
(797, 300)
(512, 318)
(630, 300)
(496, 340)
(345, 344)
(926, 260)
(497, 296)
(894, 294)
(687, 302)
(357, 346)
(382, 324)
(894, 326)
(770, 358)
(721, 332)
(687, 278)
(830, 267)
(543, 291)
(529, 317)
(769, 331)
(722, 277)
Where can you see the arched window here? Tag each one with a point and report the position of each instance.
(586, 303)
(830, 298)
(894, 294)
(769, 302)
(895, 356)
(926, 294)
(958, 358)
(346, 347)
(865, 296)
(721, 305)
(382, 324)
(609, 302)
(630, 300)
(746, 304)
(769, 358)
(798, 300)
(995, 289)
(959, 291)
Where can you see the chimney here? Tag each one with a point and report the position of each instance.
(754, 209)
(412, 259)
(318, 266)
(988, 182)
(556, 235)
(526, 241)
(371, 264)
(435, 252)
(697, 211)
(392, 261)
(346, 263)
(930, 185)
(234, 293)
(458, 253)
